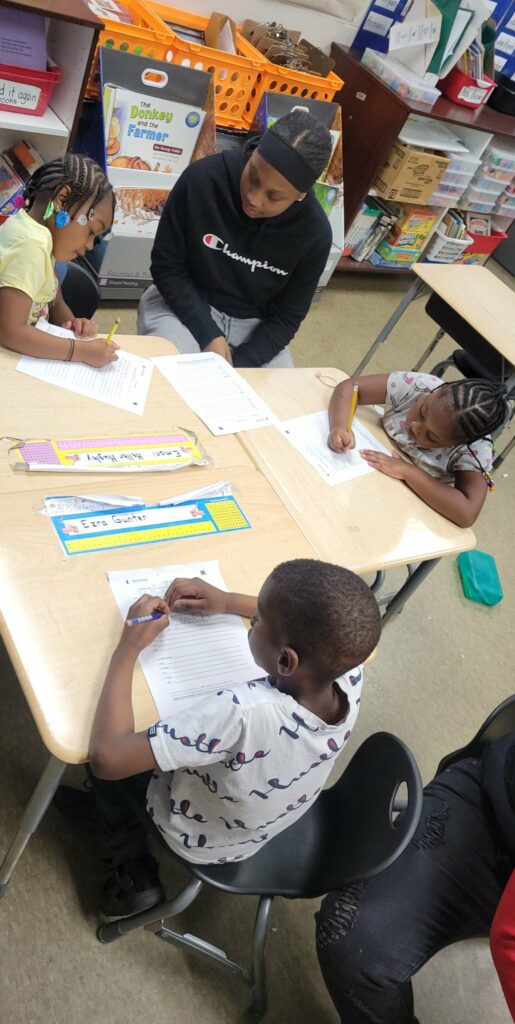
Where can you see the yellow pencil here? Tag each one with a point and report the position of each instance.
(113, 330)
(353, 404)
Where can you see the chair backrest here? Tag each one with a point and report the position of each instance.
(360, 833)
(80, 291)
(350, 832)
(468, 339)
(498, 723)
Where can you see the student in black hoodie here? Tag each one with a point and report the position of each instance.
(240, 247)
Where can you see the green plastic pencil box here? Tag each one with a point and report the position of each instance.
(479, 577)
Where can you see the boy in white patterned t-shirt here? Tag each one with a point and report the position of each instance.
(225, 775)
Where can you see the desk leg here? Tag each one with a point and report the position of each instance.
(499, 459)
(395, 606)
(31, 818)
(413, 292)
(430, 348)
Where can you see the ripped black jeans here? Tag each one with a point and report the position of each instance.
(372, 937)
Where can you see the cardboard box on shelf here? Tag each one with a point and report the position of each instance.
(410, 175)
(413, 226)
(397, 253)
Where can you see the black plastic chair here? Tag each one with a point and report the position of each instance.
(80, 290)
(476, 357)
(499, 723)
(349, 834)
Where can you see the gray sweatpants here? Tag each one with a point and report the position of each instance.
(156, 317)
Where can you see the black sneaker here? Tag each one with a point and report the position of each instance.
(132, 887)
(79, 807)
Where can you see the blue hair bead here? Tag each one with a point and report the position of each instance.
(62, 219)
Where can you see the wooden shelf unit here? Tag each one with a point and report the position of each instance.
(372, 117)
(72, 35)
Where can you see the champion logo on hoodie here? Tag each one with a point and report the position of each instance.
(214, 242)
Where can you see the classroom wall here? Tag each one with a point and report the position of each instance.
(322, 21)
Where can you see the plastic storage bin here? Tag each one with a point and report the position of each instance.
(483, 246)
(463, 164)
(399, 78)
(501, 153)
(235, 74)
(456, 178)
(30, 90)
(479, 577)
(483, 202)
(467, 91)
(505, 206)
(438, 199)
(494, 173)
(146, 36)
(452, 192)
(484, 183)
(275, 78)
(503, 99)
(443, 249)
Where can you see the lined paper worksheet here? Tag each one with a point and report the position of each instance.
(196, 654)
(124, 383)
(308, 434)
(216, 392)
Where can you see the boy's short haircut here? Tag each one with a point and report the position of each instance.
(327, 614)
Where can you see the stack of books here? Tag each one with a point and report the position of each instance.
(454, 225)
(16, 166)
(389, 234)
(369, 227)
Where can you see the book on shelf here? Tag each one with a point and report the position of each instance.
(384, 222)
(361, 226)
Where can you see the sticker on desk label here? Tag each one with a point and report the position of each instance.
(147, 524)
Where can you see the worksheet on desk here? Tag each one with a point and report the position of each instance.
(214, 390)
(308, 434)
(196, 654)
(124, 383)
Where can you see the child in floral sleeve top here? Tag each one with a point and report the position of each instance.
(443, 428)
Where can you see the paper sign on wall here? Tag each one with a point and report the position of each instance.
(415, 33)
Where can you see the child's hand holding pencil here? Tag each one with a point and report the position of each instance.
(341, 440)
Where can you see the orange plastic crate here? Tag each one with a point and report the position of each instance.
(275, 78)
(235, 75)
(147, 36)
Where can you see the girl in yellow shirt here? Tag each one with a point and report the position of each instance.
(68, 203)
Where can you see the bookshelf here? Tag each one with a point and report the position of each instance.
(72, 34)
(372, 117)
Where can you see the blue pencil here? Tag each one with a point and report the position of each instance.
(144, 618)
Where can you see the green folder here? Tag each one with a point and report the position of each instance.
(450, 10)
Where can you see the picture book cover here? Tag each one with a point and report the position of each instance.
(149, 133)
(138, 210)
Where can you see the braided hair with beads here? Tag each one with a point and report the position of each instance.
(84, 178)
(479, 408)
